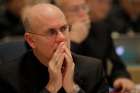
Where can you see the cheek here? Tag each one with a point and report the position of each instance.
(50, 46)
(46, 48)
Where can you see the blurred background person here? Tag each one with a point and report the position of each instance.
(9, 18)
(125, 18)
(76, 13)
(10, 23)
(100, 44)
(96, 42)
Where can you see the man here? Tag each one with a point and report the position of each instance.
(96, 41)
(49, 67)
(104, 46)
(76, 14)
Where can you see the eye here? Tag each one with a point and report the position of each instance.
(64, 28)
(51, 32)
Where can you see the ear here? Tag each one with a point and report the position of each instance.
(29, 39)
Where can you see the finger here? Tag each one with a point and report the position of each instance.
(67, 58)
(57, 53)
(58, 56)
(124, 89)
(67, 51)
(60, 61)
(69, 61)
(58, 49)
(56, 65)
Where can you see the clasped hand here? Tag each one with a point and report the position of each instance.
(61, 70)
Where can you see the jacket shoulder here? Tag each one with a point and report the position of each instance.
(10, 71)
(87, 64)
(80, 59)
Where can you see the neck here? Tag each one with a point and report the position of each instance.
(43, 60)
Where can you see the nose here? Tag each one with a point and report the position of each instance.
(60, 37)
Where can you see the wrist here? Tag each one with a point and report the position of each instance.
(74, 89)
(51, 89)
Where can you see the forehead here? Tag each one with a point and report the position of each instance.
(44, 19)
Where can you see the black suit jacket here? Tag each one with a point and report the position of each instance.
(99, 44)
(5, 87)
(28, 75)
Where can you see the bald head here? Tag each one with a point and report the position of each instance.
(34, 16)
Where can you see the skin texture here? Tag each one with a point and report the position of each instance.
(53, 51)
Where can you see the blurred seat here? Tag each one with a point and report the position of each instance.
(11, 50)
